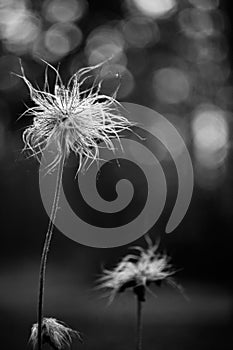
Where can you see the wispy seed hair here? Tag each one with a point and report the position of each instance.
(73, 118)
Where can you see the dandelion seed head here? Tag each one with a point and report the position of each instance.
(73, 118)
(55, 333)
(139, 270)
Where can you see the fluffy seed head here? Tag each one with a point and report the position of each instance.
(138, 271)
(55, 333)
(72, 118)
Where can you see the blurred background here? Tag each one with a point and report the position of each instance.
(173, 56)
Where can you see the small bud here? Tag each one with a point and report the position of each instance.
(55, 333)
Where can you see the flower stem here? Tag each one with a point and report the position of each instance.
(139, 324)
(46, 250)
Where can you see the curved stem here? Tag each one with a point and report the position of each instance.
(46, 250)
(139, 324)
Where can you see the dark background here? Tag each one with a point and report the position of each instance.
(196, 47)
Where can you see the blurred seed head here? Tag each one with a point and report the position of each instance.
(137, 272)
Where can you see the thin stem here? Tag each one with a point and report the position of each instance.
(139, 324)
(46, 249)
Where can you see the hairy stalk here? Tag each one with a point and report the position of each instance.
(139, 324)
(46, 247)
